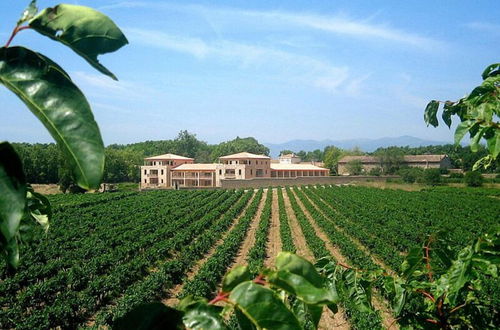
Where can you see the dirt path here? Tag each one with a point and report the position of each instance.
(250, 237)
(329, 320)
(299, 239)
(172, 299)
(379, 303)
(274, 245)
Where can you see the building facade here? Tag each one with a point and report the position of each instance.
(370, 162)
(156, 171)
(289, 159)
(173, 171)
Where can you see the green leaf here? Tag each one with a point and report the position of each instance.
(491, 70)
(12, 202)
(461, 130)
(299, 266)
(302, 288)
(39, 207)
(448, 111)
(263, 307)
(28, 13)
(474, 143)
(234, 277)
(203, 316)
(51, 95)
(243, 322)
(152, 316)
(430, 114)
(307, 315)
(359, 290)
(394, 288)
(494, 144)
(452, 282)
(411, 263)
(86, 31)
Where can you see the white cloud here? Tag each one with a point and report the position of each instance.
(102, 86)
(334, 24)
(193, 46)
(301, 68)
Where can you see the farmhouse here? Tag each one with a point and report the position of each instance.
(173, 171)
(370, 162)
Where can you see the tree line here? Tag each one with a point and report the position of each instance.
(44, 163)
(391, 158)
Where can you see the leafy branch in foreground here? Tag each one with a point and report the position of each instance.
(48, 91)
(435, 289)
(478, 113)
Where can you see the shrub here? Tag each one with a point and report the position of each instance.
(443, 170)
(474, 179)
(354, 167)
(432, 176)
(411, 174)
(456, 175)
(376, 171)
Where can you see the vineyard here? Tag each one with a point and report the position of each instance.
(107, 253)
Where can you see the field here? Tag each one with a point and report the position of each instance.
(106, 253)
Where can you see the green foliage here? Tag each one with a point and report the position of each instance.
(331, 158)
(286, 152)
(431, 176)
(47, 90)
(435, 289)
(411, 174)
(456, 175)
(473, 179)
(12, 202)
(478, 113)
(390, 159)
(442, 289)
(239, 145)
(354, 167)
(460, 157)
(376, 171)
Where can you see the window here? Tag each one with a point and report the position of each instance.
(239, 172)
(249, 162)
(145, 172)
(251, 171)
(161, 174)
(145, 181)
(161, 180)
(220, 172)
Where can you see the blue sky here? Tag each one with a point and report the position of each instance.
(274, 70)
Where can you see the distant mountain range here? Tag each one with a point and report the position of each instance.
(367, 145)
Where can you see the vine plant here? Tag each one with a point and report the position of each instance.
(47, 90)
(435, 289)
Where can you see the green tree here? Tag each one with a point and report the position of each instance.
(390, 159)
(331, 158)
(354, 167)
(186, 144)
(248, 144)
(286, 152)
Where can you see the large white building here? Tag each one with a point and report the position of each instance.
(173, 171)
